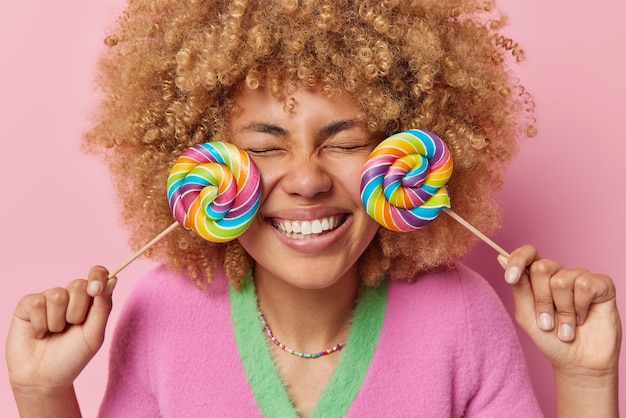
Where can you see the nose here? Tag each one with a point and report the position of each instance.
(307, 177)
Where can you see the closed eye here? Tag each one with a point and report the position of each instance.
(348, 147)
(262, 151)
(358, 144)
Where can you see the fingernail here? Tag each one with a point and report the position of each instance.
(566, 333)
(512, 275)
(545, 321)
(95, 288)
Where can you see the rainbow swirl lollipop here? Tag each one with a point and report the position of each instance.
(214, 189)
(403, 180)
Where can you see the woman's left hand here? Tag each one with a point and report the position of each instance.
(570, 314)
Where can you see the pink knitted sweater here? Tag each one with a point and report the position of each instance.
(442, 346)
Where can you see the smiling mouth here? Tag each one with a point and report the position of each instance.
(309, 228)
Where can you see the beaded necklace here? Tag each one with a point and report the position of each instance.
(270, 335)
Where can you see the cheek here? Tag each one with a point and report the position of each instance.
(270, 175)
(269, 169)
(349, 177)
(250, 239)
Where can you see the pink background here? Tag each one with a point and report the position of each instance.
(563, 193)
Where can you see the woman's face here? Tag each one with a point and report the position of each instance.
(311, 227)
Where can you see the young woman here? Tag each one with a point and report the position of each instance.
(308, 89)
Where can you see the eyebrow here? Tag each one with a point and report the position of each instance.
(336, 127)
(325, 132)
(264, 128)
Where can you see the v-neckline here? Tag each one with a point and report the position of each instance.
(262, 374)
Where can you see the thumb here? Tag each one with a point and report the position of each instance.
(522, 295)
(101, 289)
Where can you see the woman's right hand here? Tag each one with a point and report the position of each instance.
(54, 334)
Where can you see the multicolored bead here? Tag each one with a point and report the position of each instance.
(270, 335)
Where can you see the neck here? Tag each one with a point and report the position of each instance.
(308, 319)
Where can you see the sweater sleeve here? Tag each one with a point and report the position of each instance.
(492, 352)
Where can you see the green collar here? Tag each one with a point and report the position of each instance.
(268, 389)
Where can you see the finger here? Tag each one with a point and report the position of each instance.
(32, 309)
(590, 288)
(518, 261)
(531, 290)
(541, 272)
(523, 296)
(97, 281)
(57, 300)
(79, 302)
(562, 285)
(98, 314)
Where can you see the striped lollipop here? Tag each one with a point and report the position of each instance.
(403, 180)
(403, 183)
(214, 189)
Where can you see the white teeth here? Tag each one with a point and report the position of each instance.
(300, 229)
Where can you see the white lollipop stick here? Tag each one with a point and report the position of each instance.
(143, 249)
(476, 232)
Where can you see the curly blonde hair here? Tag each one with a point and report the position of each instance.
(172, 67)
